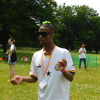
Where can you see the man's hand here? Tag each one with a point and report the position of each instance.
(16, 80)
(62, 64)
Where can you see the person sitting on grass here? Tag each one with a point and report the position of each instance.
(5, 57)
(52, 66)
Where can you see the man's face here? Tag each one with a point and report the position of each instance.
(44, 40)
(83, 47)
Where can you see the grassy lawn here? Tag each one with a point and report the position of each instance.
(85, 85)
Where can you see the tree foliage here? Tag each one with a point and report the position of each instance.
(20, 19)
(74, 25)
(79, 24)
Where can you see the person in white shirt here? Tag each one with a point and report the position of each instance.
(82, 56)
(52, 66)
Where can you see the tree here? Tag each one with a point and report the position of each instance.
(5, 22)
(67, 26)
(22, 18)
(96, 28)
(76, 26)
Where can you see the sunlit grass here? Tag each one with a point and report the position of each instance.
(85, 85)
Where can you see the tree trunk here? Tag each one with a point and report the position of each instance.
(4, 47)
(96, 51)
(72, 47)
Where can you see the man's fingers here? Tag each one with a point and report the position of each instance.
(14, 82)
(63, 63)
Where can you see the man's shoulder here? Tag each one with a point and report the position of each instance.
(80, 48)
(38, 52)
(85, 48)
(61, 49)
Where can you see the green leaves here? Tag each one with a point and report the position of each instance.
(81, 22)
(73, 25)
(20, 19)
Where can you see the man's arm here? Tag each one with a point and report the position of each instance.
(18, 79)
(68, 75)
(29, 79)
(80, 51)
(85, 51)
(62, 64)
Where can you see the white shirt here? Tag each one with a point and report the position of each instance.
(12, 47)
(57, 87)
(82, 55)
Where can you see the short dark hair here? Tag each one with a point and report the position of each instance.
(50, 26)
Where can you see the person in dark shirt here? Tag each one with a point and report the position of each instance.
(5, 57)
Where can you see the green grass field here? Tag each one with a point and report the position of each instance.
(85, 85)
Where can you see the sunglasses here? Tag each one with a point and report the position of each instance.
(9, 41)
(44, 34)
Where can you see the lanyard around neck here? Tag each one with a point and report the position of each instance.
(44, 72)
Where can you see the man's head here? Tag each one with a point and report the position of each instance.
(49, 25)
(83, 46)
(46, 33)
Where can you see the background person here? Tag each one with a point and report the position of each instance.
(5, 57)
(82, 52)
(52, 67)
(11, 64)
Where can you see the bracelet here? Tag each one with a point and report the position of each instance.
(63, 71)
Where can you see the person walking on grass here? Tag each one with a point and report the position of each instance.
(82, 52)
(11, 64)
(52, 66)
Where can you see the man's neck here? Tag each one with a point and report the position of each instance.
(48, 49)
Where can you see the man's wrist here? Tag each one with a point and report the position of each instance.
(63, 71)
(22, 78)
